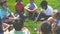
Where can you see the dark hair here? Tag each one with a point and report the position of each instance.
(18, 25)
(3, 2)
(18, 0)
(46, 27)
(44, 3)
(31, 0)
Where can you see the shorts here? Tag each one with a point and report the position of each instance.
(4, 19)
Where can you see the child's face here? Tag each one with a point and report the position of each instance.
(44, 7)
(4, 6)
(31, 1)
(19, 1)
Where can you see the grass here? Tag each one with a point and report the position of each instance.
(31, 25)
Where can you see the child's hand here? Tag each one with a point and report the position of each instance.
(30, 10)
(36, 19)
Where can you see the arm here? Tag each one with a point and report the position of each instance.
(37, 17)
(25, 30)
(27, 7)
(40, 32)
(35, 8)
(54, 26)
(12, 14)
(6, 26)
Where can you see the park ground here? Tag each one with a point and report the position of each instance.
(31, 25)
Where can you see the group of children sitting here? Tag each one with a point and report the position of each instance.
(50, 24)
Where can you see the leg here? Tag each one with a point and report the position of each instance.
(46, 17)
(29, 15)
(42, 15)
(35, 15)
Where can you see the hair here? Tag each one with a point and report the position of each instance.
(44, 0)
(31, 0)
(44, 3)
(18, 0)
(46, 27)
(3, 2)
(18, 25)
(57, 15)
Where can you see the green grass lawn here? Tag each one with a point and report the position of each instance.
(31, 25)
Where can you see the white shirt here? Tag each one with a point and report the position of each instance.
(48, 11)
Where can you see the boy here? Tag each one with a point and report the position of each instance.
(19, 28)
(19, 7)
(3, 27)
(4, 12)
(55, 22)
(45, 28)
(31, 8)
(46, 11)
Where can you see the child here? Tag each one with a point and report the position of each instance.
(45, 28)
(31, 8)
(19, 7)
(54, 21)
(19, 28)
(46, 11)
(4, 12)
(3, 27)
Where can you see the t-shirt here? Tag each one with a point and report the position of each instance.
(58, 23)
(4, 12)
(31, 6)
(19, 8)
(48, 11)
(16, 32)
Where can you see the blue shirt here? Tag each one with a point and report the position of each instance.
(4, 12)
(31, 6)
(58, 23)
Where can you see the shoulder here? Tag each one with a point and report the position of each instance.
(24, 29)
(22, 3)
(49, 7)
(15, 4)
(7, 8)
(28, 4)
(34, 3)
(50, 18)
